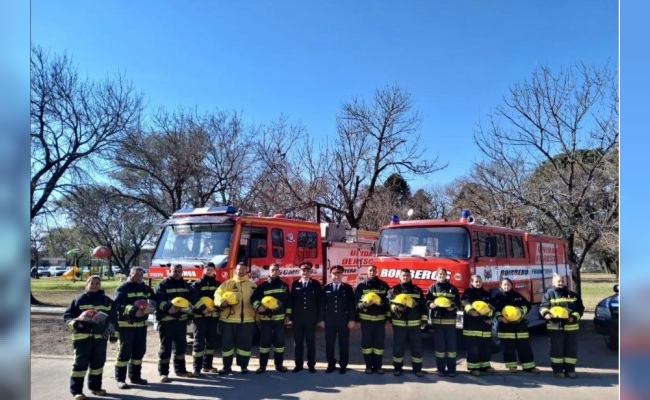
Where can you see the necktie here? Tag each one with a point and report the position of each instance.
(336, 288)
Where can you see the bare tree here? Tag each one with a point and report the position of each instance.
(75, 123)
(553, 147)
(106, 218)
(184, 159)
(373, 141)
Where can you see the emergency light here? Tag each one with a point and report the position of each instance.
(394, 220)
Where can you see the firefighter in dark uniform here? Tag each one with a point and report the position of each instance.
(132, 327)
(339, 315)
(408, 314)
(271, 318)
(513, 332)
(89, 336)
(172, 322)
(443, 300)
(477, 326)
(305, 313)
(372, 318)
(562, 329)
(204, 320)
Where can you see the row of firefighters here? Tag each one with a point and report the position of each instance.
(235, 307)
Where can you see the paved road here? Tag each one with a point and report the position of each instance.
(598, 379)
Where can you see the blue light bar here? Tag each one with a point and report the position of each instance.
(222, 210)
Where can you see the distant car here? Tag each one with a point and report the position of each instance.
(57, 271)
(116, 269)
(606, 319)
(44, 271)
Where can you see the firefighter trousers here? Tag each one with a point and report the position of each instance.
(89, 356)
(564, 350)
(272, 334)
(445, 348)
(479, 352)
(205, 342)
(518, 347)
(131, 348)
(373, 337)
(305, 332)
(236, 338)
(173, 336)
(342, 332)
(401, 336)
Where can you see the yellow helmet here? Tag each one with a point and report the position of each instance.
(481, 307)
(404, 300)
(209, 303)
(270, 303)
(180, 302)
(559, 312)
(511, 313)
(371, 297)
(228, 297)
(442, 302)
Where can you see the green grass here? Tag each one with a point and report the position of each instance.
(60, 284)
(595, 287)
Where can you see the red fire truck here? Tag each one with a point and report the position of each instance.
(465, 248)
(226, 235)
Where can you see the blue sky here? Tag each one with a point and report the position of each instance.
(265, 58)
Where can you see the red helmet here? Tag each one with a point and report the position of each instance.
(87, 316)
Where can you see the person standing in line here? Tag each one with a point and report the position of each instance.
(91, 316)
(133, 308)
(477, 326)
(305, 313)
(339, 315)
(372, 318)
(172, 322)
(407, 314)
(236, 319)
(562, 326)
(443, 299)
(204, 320)
(270, 300)
(513, 328)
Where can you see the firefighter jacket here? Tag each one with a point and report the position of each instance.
(276, 288)
(306, 302)
(166, 290)
(204, 287)
(562, 297)
(338, 305)
(243, 311)
(125, 295)
(374, 312)
(97, 301)
(410, 316)
(480, 325)
(440, 315)
(501, 299)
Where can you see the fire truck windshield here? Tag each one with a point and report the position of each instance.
(425, 242)
(195, 241)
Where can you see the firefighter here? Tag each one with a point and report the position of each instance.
(562, 310)
(236, 319)
(339, 315)
(132, 310)
(372, 318)
(92, 318)
(443, 300)
(270, 300)
(477, 326)
(305, 313)
(407, 314)
(174, 308)
(204, 320)
(510, 309)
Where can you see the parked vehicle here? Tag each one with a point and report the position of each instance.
(606, 319)
(44, 271)
(57, 271)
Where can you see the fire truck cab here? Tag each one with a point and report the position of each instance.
(464, 248)
(226, 235)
